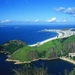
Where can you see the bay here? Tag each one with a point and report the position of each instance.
(6, 68)
(54, 66)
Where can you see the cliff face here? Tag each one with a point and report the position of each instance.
(64, 51)
(52, 49)
(69, 48)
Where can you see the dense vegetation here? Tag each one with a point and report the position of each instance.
(18, 50)
(11, 46)
(27, 70)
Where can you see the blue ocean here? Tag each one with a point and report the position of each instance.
(31, 35)
(28, 33)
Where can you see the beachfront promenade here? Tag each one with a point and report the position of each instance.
(61, 34)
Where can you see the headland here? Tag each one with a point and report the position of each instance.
(53, 48)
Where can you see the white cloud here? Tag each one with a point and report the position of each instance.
(70, 10)
(60, 9)
(64, 20)
(4, 21)
(36, 20)
(61, 20)
(52, 19)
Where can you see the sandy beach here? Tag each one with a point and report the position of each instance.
(50, 39)
(61, 34)
(17, 61)
(68, 59)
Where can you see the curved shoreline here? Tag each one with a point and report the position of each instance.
(18, 62)
(68, 60)
(61, 34)
(50, 39)
(61, 58)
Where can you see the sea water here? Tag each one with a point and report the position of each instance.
(28, 33)
(31, 34)
(55, 66)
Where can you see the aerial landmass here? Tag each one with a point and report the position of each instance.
(62, 46)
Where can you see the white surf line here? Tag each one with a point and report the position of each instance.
(61, 34)
(50, 39)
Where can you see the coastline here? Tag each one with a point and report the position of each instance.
(18, 62)
(68, 60)
(25, 62)
(50, 39)
(61, 34)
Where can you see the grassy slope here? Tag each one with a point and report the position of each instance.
(22, 54)
(47, 47)
(69, 40)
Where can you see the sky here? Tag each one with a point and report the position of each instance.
(37, 11)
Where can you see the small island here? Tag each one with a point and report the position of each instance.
(61, 47)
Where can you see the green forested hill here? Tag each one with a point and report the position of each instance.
(52, 49)
(11, 46)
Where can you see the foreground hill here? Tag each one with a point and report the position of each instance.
(18, 50)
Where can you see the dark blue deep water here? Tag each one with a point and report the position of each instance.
(54, 66)
(31, 35)
(28, 33)
(6, 68)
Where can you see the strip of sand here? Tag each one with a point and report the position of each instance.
(68, 59)
(50, 39)
(17, 61)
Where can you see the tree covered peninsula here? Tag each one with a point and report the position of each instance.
(19, 51)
